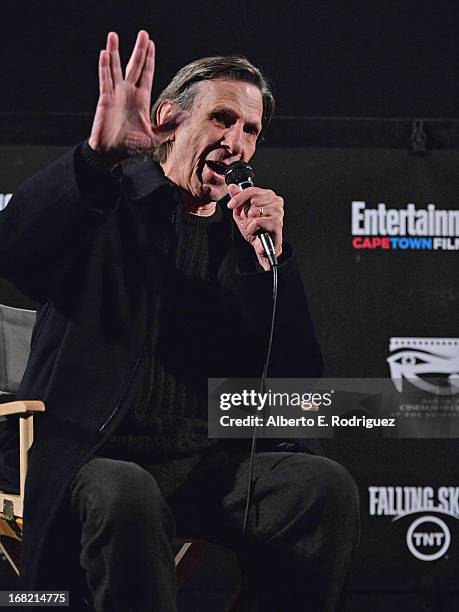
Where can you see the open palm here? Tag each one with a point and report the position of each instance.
(122, 123)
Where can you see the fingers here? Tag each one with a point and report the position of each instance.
(137, 59)
(233, 189)
(255, 203)
(105, 77)
(253, 227)
(146, 76)
(256, 210)
(109, 65)
(240, 201)
(271, 225)
(266, 225)
(238, 197)
(255, 195)
(140, 68)
(115, 63)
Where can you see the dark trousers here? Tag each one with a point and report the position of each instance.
(302, 528)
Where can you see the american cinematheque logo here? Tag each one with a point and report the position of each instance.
(408, 228)
(429, 510)
(425, 372)
(415, 359)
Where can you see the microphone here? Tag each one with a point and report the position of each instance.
(241, 174)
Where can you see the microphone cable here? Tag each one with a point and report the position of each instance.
(244, 582)
(262, 390)
(241, 174)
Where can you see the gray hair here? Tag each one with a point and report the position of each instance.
(182, 90)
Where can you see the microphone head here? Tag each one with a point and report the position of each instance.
(239, 172)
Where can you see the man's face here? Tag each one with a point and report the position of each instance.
(223, 126)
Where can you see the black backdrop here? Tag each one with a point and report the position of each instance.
(359, 299)
(336, 58)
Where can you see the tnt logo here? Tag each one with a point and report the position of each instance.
(428, 538)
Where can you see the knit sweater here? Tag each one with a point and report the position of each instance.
(169, 415)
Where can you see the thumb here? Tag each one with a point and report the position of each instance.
(233, 190)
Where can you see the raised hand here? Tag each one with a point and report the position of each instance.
(122, 125)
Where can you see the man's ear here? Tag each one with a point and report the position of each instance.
(164, 112)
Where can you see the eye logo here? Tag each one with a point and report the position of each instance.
(433, 357)
(428, 538)
(4, 199)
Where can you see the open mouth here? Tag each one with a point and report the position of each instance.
(216, 166)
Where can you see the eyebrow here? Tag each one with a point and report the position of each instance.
(230, 113)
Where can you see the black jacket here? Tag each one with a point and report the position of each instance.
(90, 245)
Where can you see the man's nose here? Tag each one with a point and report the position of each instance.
(233, 139)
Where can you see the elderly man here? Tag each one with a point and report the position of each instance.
(151, 278)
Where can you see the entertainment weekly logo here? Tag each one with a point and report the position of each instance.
(404, 229)
(429, 510)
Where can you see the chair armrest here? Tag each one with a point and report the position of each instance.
(24, 407)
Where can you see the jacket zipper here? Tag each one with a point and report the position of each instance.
(116, 408)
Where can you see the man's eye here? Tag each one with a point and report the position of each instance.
(221, 119)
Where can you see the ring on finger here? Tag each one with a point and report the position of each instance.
(260, 209)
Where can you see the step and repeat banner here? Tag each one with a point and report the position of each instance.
(376, 235)
(376, 232)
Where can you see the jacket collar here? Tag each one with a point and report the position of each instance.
(143, 178)
(146, 176)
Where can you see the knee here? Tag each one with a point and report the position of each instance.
(328, 491)
(338, 485)
(338, 497)
(131, 491)
(325, 483)
(118, 491)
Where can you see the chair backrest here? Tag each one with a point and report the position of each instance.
(16, 325)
